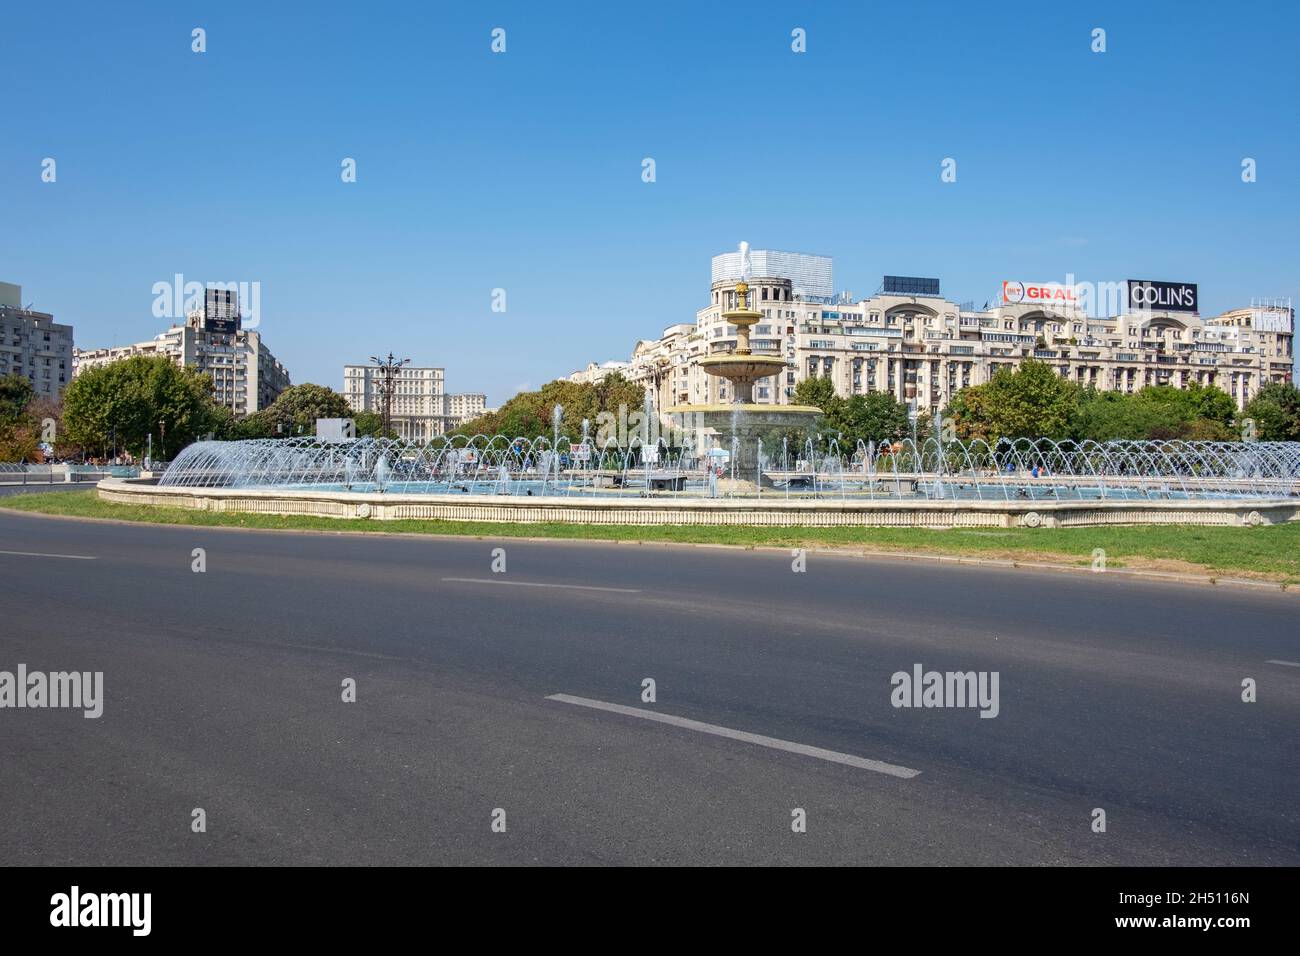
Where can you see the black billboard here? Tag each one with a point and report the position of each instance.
(909, 285)
(220, 326)
(1146, 295)
(220, 311)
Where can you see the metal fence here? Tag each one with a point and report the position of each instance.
(13, 473)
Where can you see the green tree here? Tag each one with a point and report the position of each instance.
(128, 401)
(256, 425)
(1157, 412)
(876, 416)
(529, 414)
(370, 425)
(19, 441)
(1032, 401)
(222, 425)
(295, 410)
(1275, 410)
(819, 392)
(49, 411)
(1211, 403)
(19, 438)
(613, 392)
(16, 394)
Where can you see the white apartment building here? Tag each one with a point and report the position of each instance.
(665, 367)
(598, 373)
(420, 408)
(246, 377)
(922, 348)
(33, 345)
(466, 406)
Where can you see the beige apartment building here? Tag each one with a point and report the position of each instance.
(465, 406)
(33, 345)
(420, 409)
(922, 348)
(246, 377)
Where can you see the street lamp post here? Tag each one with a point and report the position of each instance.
(388, 368)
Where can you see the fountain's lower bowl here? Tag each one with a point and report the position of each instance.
(746, 429)
(722, 414)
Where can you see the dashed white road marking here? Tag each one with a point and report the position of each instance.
(862, 763)
(537, 584)
(1284, 663)
(39, 554)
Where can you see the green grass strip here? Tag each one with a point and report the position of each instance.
(1271, 552)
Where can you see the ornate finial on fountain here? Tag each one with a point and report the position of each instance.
(742, 285)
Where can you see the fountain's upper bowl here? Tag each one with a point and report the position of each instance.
(743, 316)
(742, 367)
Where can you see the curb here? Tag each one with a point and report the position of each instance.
(1171, 577)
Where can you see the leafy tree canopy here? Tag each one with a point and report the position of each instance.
(528, 414)
(1034, 401)
(876, 416)
(819, 392)
(1030, 402)
(1275, 411)
(294, 412)
(124, 403)
(15, 394)
(1158, 412)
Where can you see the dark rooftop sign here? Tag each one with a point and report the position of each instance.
(909, 285)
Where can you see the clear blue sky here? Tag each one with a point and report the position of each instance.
(523, 170)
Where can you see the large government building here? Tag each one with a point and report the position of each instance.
(246, 377)
(911, 341)
(420, 409)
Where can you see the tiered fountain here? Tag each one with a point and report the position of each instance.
(739, 426)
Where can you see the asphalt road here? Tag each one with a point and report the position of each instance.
(222, 691)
